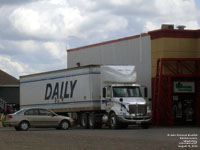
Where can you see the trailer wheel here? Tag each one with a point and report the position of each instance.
(84, 120)
(91, 120)
(113, 122)
(93, 123)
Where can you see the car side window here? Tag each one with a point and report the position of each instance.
(32, 112)
(44, 112)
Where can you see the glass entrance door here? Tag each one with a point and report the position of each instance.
(184, 109)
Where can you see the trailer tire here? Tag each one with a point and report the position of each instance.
(84, 120)
(91, 121)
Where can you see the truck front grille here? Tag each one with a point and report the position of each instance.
(138, 109)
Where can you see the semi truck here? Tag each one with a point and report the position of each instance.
(93, 95)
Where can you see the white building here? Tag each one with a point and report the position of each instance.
(134, 50)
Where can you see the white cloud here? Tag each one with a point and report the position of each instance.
(57, 50)
(1, 46)
(151, 26)
(35, 35)
(47, 19)
(14, 67)
(120, 2)
(117, 23)
(26, 46)
(178, 12)
(175, 7)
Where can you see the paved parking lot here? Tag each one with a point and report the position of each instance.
(160, 138)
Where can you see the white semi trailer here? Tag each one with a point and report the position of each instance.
(94, 95)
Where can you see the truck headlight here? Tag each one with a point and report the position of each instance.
(133, 115)
(148, 111)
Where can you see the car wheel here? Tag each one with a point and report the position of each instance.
(24, 126)
(64, 125)
(84, 121)
(113, 123)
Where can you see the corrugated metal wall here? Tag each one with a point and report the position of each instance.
(136, 51)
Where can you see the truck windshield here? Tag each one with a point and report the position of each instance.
(126, 91)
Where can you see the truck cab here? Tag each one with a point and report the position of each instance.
(125, 104)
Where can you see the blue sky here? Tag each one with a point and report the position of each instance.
(198, 7)
(34, 34)
(197, 3)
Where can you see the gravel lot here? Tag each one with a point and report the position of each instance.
(136, 138)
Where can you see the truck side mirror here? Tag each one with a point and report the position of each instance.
(145, 92)
(121, 100)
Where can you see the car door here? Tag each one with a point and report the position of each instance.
(48, 118)
(32, 115)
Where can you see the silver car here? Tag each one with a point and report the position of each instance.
(37, 117)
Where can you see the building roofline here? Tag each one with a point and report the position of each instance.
(6, 79)
(108, 42)
(174, 33)
(171, 33)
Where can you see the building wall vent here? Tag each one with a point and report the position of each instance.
(167, 26)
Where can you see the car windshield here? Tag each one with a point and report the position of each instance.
(126, 91)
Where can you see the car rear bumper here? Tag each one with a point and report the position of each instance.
(10, 124)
